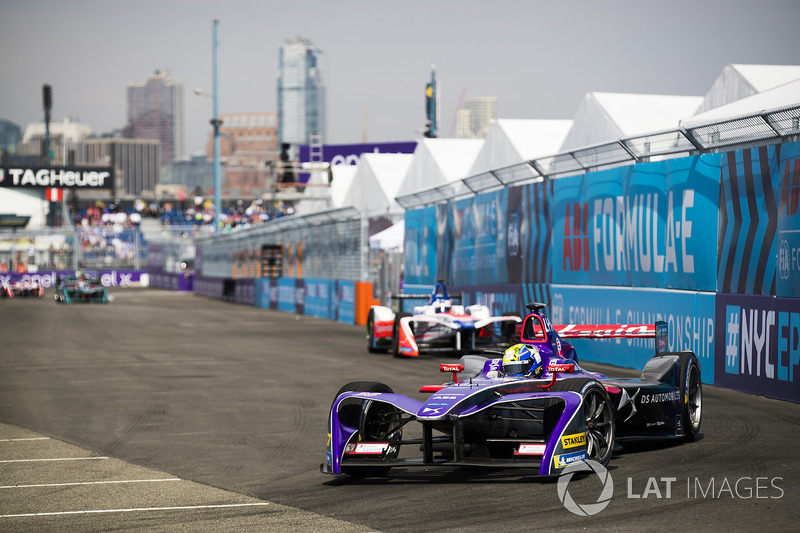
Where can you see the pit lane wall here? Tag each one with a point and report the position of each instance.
(709, 243)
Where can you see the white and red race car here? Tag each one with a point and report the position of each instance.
(438, 326)
(24, 287)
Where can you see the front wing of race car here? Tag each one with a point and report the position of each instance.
(534, 428)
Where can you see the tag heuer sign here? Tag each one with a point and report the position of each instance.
(58, 177)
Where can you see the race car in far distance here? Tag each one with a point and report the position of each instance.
(438, 326)
(28, 288)
(535, 408)
(80, 289)
(24, 288)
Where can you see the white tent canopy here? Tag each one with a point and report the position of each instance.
(438, 162)
(24, 202)
(781, 96)
(375, 183)
(390, 239)
(737, 82)
(511, 141)
(606, 117)
(341, 178)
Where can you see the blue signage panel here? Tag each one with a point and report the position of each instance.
(645, 225)
(287, 292)
(445, 224)
(318, 298)
(748, 221)
(262, 293)
(536, 232)
(499, 298)
(689, 317)
(464, 231)
(346, 302)
(759, 340)
(419, 257)
(788, 236)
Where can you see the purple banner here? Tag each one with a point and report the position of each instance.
(244, 291)
(171, 282)
(209, 287)
(348, 154)
(109, 278)
(758, 340)
(155, 258)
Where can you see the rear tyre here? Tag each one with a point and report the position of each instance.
(691, 388)
(396, 334)
(691, 396)
(599, 416)
(375, 422)
(371, 333)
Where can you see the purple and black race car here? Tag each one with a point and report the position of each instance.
(535, 407)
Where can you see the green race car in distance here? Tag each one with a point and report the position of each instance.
(80, 289)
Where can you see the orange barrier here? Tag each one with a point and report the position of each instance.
(364, 301)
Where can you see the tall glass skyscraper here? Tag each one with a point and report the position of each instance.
(301, 92)
(155, 111)
(475, 117)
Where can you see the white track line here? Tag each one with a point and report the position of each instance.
(27, 439)
(99, 511)
(54, 459)
(89, 483)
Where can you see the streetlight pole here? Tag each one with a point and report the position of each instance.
(216, 122)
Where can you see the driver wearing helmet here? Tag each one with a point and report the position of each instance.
(523, 360)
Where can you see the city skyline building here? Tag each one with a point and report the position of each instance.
(155, 111)
(65, 136)
(248, 151)
(136, 163)
(475, 117)
(302, 111)
(10, 136)
(245, 132)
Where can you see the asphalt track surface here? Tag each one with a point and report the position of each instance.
(171, 412)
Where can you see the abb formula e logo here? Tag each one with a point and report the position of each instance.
(576, 237)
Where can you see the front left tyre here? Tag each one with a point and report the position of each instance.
(598, 414)
(376, 422)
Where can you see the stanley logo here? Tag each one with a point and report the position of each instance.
(571, 441)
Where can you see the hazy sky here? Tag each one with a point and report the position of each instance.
(537, 57)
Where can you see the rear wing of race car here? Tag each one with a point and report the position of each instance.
(439, 291)
(411, 296)
(617, 331)
(535, 325)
